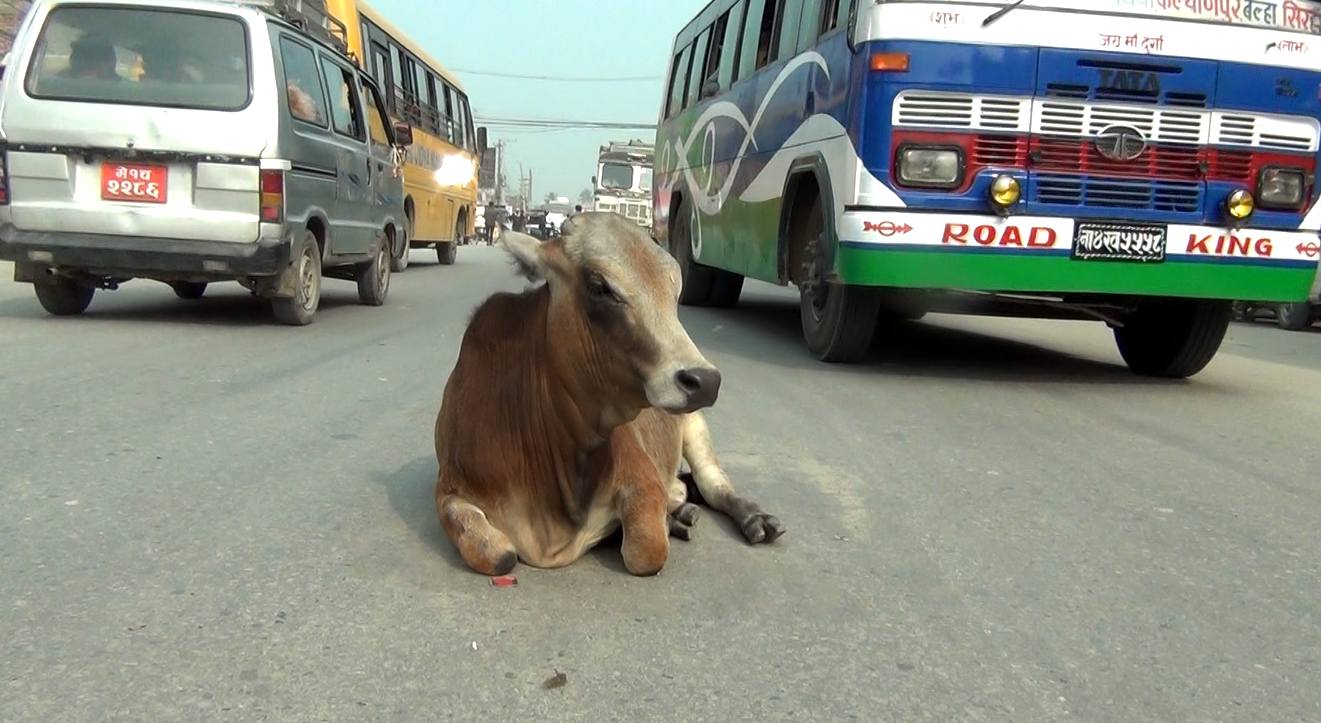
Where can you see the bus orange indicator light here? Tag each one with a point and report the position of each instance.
(893, 62)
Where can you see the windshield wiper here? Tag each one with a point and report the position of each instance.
(1001, 12)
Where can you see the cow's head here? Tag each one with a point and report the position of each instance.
(614, 313)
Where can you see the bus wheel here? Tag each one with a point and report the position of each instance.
(696, 277)
(838, 319)
(1175, 338)
(400, 262)
(1293, 317)
(447, 252)
(726, 287)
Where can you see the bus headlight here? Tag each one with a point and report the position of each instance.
(455, 171)
(1239, 204)
(927, 167)
(1005, 191)
(1281, 188)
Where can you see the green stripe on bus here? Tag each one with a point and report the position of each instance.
(1022, 272)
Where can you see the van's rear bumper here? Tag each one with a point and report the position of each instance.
(132, 256)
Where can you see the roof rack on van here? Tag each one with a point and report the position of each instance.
(311, 17)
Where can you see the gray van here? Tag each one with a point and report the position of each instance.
(192, 141)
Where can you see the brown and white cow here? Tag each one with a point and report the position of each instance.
(571, 406)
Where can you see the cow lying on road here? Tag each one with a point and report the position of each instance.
(571, 406)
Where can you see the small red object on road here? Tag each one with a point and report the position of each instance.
(504, 580)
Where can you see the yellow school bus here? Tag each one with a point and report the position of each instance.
(440, 168)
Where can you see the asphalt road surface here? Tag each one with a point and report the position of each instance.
(208, 517)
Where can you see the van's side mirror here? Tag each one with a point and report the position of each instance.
(481, 140)
(593, 180)
(403, 134)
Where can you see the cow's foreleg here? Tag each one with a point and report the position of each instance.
(485, 549)
(716, 489)
(647, 524)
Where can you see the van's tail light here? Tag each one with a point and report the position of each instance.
(272, 196)
(4, 178)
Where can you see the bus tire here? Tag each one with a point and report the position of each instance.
(726, 287)
(838, 319)
(404, 241)
(373, 277)
(1293, 317)
(447, 252)
(697, 279)
(1174, 338)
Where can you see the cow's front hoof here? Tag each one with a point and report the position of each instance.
(686, 514)
(762, 528)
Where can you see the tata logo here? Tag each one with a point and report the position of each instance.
(1130, 81)
(1119, 142)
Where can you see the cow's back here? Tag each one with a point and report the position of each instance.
(491, 436)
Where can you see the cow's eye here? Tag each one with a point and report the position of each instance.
(597, 288)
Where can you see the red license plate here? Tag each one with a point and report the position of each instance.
(133, 182)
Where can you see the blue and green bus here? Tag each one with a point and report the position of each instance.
(1142, 163)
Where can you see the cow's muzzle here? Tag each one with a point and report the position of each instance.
(699, 385)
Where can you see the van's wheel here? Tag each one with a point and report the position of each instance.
(301, 308)
(400, 262)
(696, 288)
(188, 289)
(838, 319)
(374, 277)
(1294, 317)
(61, 295)
(1173, 338)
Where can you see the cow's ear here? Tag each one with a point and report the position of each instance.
(527, 254)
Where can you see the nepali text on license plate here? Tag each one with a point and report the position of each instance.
(133, 182)
(1118, 242)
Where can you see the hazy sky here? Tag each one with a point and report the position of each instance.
(559, 38)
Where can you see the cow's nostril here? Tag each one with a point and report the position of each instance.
(701, 385)
(689, 382)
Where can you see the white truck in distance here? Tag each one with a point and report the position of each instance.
(623, 179)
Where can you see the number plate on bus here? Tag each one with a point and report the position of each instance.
(133, 182)
(1118, 242)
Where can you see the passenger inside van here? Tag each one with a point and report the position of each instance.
(163, 63)
(91, 57)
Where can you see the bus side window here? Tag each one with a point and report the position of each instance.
(787, 46)
(729, 45)
(678, 80)
(809, 27)
(695, 75)
(756, 48)
(711, 68)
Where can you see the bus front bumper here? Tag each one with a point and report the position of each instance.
(1050, 254)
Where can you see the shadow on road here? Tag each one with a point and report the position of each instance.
(225, 306)
(411, 490)
(768, 330)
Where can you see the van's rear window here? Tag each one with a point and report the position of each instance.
(141, 56)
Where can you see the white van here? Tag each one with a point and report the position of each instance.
(192, 141)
